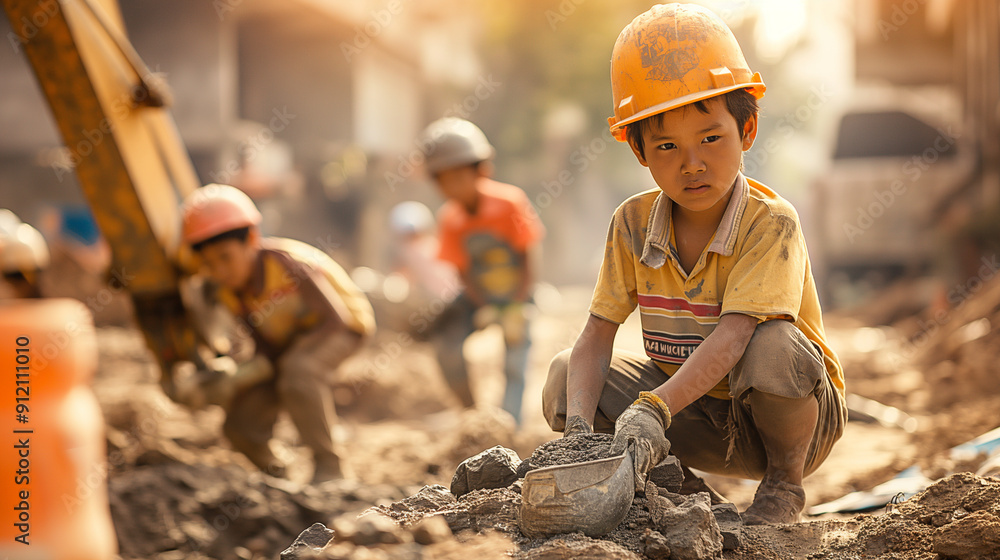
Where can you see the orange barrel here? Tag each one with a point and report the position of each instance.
(53, 474)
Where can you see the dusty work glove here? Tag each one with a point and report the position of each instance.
(225, 378)
(577, 425)
(643, 425)
(219, 382)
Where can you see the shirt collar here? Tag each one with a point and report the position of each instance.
(654, 251)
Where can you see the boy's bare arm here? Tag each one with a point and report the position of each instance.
(709, 363)
(588, 367)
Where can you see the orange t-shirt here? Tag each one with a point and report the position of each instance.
(490, 246)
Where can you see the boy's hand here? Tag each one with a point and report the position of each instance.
(643, 424)
(576, 425)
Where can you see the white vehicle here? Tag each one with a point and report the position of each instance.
(897, 161)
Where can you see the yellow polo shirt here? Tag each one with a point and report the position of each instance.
(756, 264)
(293, 289)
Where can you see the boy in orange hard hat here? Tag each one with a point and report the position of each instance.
(737, 378)
(305, 316)
(492, 235)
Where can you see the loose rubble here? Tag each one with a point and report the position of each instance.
(730, 525)
(311, 541)
(177, 491)
(659, 523)
(956, 518)
(690, 528)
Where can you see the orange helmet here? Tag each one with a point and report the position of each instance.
(672, 55)
(215, 209)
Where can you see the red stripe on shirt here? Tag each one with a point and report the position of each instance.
(680, 304)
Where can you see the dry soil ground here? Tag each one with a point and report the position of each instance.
(178, 491)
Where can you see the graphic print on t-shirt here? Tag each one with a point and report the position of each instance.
(494, 266)
(670, 348)
(673, 327)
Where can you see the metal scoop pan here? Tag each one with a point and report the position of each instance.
(592, 497)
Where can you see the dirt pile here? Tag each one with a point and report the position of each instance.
(177, 490)
(958, 517)
(935, 362)
(497, 510)
(204, 511)
(375, 537)
(577, 449)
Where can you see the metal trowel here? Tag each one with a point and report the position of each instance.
(591, 497)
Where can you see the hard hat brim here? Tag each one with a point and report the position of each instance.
(756, 88)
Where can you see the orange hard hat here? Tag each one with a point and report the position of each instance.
(215, 209)
(673, 55)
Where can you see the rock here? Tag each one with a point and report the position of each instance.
(668, 474)
(654, 501)
(430, 498)
(976, 535)
(674, 498)
(656, 547)
(431, 529)
(577, 546)
(312, 540)
(690, 528)
(517, 486)
(369, 529)
(730, 525)
(494, 468)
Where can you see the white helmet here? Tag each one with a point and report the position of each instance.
(452, 142)
(410, 217)
(22, 248)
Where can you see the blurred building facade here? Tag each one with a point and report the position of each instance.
(914, 182)
(953, 43)
(306, 104)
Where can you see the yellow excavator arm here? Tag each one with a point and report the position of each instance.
(125, 149)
